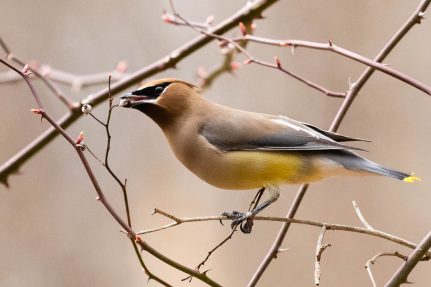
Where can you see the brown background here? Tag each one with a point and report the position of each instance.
(53, 232)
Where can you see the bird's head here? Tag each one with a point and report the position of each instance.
(162, 100)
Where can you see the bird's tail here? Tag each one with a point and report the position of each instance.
(355, 162)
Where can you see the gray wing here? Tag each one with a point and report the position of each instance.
(248, 131)
(335, 136)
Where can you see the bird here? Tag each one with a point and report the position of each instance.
(236, 149)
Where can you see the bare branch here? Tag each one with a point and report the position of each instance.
(207, 78)
(372, 261)
(400, 277)
(331, 47)
(309, 83)
(361, 216)
(319, 250)
(50, 75)
(329, 226)
(202, 263)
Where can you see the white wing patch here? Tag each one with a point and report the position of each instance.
(285, 121)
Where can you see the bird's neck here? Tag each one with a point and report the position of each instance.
(158, 114)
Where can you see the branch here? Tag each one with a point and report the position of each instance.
(252, 59)
(328, 226)
(331, 47)
(49, 75)
(372, 261)
(122, 185)
(227, 65)
(361, 216)
(400, 277)
(319, 250)
(351, 95)
(249, 11)
(202, 263)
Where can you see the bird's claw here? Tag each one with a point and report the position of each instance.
(244, 220)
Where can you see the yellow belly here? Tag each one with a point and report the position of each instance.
(255, 169)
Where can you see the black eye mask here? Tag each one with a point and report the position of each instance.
(153, 92)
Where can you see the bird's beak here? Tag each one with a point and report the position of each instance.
(129, 101)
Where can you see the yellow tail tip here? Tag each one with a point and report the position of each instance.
(411, 178)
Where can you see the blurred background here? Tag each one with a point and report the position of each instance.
(54, 232)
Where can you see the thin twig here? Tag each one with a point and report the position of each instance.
(307, 82)
(372, 261)
(331, 47)
(351, 95)
(361, 216)
(122, 185)
(50, 75)
(150, 275)
(320, 247)
(51, 86)
(202, 263)
(227, 65)
(170, 216)
(93, 154)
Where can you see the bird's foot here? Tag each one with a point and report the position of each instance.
(244, 220)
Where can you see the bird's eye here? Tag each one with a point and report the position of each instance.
(158, 89)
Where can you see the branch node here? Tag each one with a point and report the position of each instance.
(421, 16)
(277, 62)
(161, 212)
(248, 61)
(319, 250)
(138, 239)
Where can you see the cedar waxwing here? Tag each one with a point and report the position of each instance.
(235, 149)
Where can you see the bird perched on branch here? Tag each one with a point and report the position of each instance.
(235, 149)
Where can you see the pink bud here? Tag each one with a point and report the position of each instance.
(80, 138)
(36, 111)
(242, 28)
(26, 70)
(209, 19)
(45, 70)
(248, 61)
(234, 65)
(202, 73)
(121, 67)
(166, 17)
